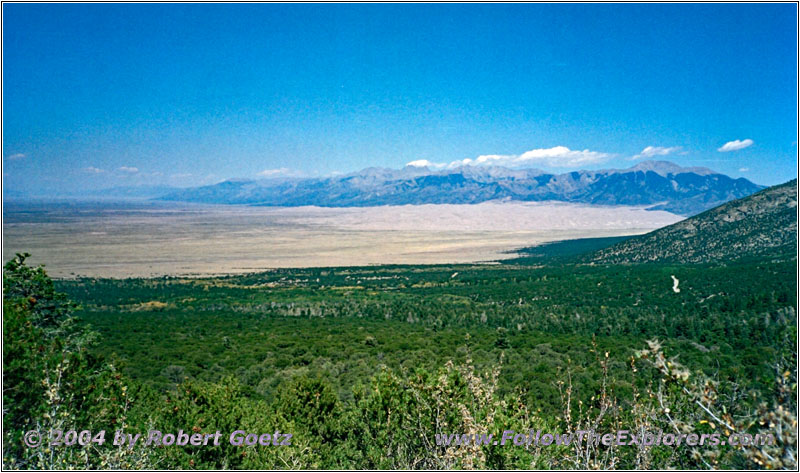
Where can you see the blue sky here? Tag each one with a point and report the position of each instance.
(109, 95)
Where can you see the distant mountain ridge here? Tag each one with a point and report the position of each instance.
(763, 225)
(659, 184)
(110, 193)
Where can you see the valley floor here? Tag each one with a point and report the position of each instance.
(153, 239)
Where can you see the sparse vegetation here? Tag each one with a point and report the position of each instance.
(759, 227)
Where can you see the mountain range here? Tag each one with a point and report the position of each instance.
(121, 193)
(660, 185)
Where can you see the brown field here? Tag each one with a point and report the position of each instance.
(148, 239)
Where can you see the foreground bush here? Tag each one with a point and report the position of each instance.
(52, 382)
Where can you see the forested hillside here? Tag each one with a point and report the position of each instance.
(763, 225)
(364, 366)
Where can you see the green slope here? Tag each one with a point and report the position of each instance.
(763, 225)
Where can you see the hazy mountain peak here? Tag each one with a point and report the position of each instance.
(665, 168)
(501, 172)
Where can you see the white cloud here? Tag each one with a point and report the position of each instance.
(735, 145)
(424, 163)
(561, 156)
(273, 172)
(744, 169)
(129, 169)
(557, 156)
(653, 151)
(94, 170)
(285, 172)
(463, 162)
(16, 156)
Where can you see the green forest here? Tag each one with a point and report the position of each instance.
(364, 366)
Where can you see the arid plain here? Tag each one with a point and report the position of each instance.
(153, 239)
